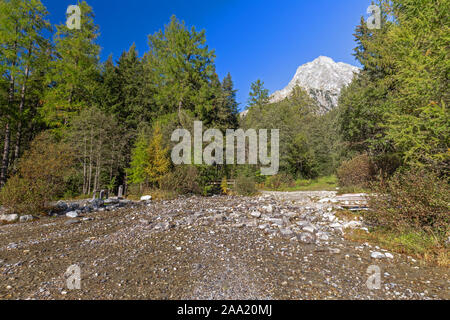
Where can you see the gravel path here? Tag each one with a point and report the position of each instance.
(278, 246)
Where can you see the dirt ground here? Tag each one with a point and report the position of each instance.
(205, 248)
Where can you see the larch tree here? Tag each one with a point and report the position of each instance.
(158, 160)
(74, 75)
(396, 109)
(181, 67)
(137, 174)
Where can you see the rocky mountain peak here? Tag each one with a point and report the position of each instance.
(323, 79)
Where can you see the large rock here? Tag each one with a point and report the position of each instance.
(97, 203)
(27, 218)
(72, 214)
(62, 206)
(377, 255)
(9, 218)
(146, 198)
(389, 255)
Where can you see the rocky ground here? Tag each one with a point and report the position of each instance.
(277, 246)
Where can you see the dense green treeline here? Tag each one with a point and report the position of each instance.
(396, 109)
(104, 111)
(307, 140)
(394, 120)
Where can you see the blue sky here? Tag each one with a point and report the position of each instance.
(265, 39)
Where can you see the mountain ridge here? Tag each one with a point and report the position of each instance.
(323, 79)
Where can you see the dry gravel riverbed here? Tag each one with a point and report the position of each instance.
(277, 246)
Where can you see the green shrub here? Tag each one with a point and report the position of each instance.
(210, 190)
(245, 186)
(414, 199)
(41, 176)
(183, 180)
(358, 172)
(23, 197)
(279, 181)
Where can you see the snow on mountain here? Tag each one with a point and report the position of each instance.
(323, 79)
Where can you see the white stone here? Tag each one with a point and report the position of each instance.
(377, 255)
(72, 214)
(389, 255)
(9, 218)
(26, 218)
(256, 214)
(309, 229)
(146, 198)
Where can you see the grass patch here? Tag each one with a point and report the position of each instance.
(328, 183)
(420, 245)
(77, 198)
